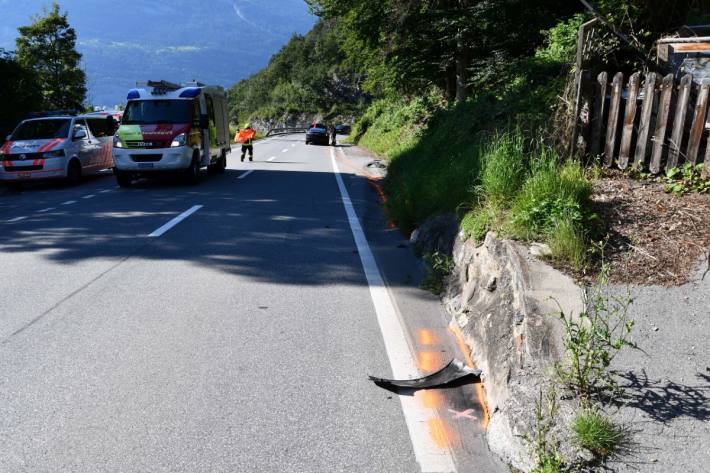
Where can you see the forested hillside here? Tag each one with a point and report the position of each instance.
(309, 75)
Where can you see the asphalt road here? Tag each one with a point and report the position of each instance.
(238, 339)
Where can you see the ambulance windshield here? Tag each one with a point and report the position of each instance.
(42, 130)
(153, 112)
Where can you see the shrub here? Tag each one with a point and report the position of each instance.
(597, 433)
(503, 162)
(439, 266)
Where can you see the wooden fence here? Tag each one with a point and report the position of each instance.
(650, 122)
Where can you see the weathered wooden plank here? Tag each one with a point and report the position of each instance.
(659, 136)
(599, 110)
(649, 97)
(613, 123)
(681, 112)
(698, 126)
(629, 119)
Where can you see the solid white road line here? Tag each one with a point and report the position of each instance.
(431, 458)
(165, 228)
(245, 174)
(17, 219)
(48, 209)
(69, 202)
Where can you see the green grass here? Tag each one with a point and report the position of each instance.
(597, 433)
(439, 266)
(503, 168)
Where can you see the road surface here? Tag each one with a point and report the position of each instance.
(227, 327)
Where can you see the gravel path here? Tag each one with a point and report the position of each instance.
(668, 408)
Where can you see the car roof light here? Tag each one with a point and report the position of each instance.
(134, 94)
(190, 93)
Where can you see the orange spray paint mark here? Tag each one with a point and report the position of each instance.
(441, 433)
(428, 361)
(430, 398)
(480, 393)
(426, 337)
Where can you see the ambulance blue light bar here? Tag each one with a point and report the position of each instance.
(190, 93)
(134, 94)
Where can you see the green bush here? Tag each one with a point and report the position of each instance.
(597, 433)
(552, 194)
(503, 162)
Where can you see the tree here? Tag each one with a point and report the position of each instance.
(18, 93)
(48, 46)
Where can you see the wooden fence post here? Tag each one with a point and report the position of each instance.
(612, 126)
(629, 119)
(659, 137)
(649, 97)
(599, 109)
(681, 112)
(706, 167)
(696, 130)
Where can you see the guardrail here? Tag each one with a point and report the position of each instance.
(286, 131)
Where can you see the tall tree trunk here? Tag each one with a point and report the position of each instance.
(463, 61)
(451, 82)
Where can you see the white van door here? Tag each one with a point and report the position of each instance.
(86, 146)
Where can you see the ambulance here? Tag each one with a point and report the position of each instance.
(170, 128)
(57, 145)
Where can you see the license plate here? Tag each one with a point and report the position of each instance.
(25, 174)
(145, 165)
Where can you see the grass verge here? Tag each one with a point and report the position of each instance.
(597, 433)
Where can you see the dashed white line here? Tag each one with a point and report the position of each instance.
(90, 196)
(430, 457)
(17, 219)
(165, 228)
(105, 191)
(69, 202)
(293, 144)
(271, 158)
(48, 209)
(285, 150)
(245, 174)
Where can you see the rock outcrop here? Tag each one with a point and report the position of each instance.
(505, 301)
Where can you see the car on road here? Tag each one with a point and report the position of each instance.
(57, 146)
(317, 135)
(343, 129)
(172, 129)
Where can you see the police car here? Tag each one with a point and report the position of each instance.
(58, 145)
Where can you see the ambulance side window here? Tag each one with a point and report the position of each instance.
(101, 127)
(196, 115)
(210, 109)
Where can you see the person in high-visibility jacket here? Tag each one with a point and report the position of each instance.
(246, 138)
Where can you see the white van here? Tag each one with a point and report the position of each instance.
(172, 129)
(58, 147)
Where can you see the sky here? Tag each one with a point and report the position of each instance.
(127, 41)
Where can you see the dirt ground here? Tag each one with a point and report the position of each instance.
(654, 237)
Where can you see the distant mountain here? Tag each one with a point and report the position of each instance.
(215, 41)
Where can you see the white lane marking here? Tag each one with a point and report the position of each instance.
(430, 457)
(17, 219)
(90, 196)
(271, 158)
(293, 144)
(69, 202)
(165, 228)
(245, 174)
(285, 150)
(105, 191)
(48, 209)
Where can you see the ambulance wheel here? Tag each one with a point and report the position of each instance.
(74, 173)
(220, 166)
(192, 174)
(124, 179)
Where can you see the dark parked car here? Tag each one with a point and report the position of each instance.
(343, 129)
(317, 135)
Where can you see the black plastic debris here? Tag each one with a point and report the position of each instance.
(454, 371)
